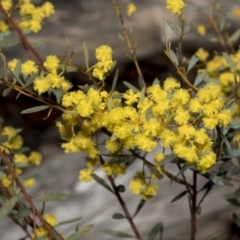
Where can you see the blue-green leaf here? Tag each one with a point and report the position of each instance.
(70, 221)
(139, 207)
(157, 229)
(7, 207)
(180, 195)
(102, 182)
(80, 233)
(35, 109)
(116, 233)
(86, 55)
(192, 62)
(199, 78)
(174, 57)
(118, 216)
(114, 81)
(173, 27)
(229, 61)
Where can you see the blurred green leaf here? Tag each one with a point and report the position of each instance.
(229, 61)
(233, 195)
(9, 42)
(157, 229)
(155, 172)
(120, 36)
(217, 236)
(187, 28)
(139, 207)
(7, 207)
(149, 114)
(30, 79)
(180, 195)
(86, 55)
(174, 178)
(208, 186)
(3, 138)
(234, 37)
(80, 233)
(35, 109)
(58, 94)
(174, 57)
(131, 29)
(5, 34)
(116, 233)
(192, 62)
(52, 197)
(168, 159)
(121, 188)
(199, 210)
(102, 182)
(118, 216)
(173, 27)
(22, 213)
(129, 85)
(199, 78)
(156, 81)
(114, 81)
(183, 169)
(6, 92)
(223, 22)
(39, 43)
(72, 220)
(220, 181)
(234, 202)
(236, 219)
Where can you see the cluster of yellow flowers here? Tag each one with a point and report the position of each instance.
(171, 116)
(105, 62)
(14, 143)
(176, 6)
(131, 8)
(31, 16)
(51, 78)
(41, 231)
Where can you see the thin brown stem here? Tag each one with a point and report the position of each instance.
(24, 40)
(129, 42)
(27, 197)
(194, 207)
(123, 205)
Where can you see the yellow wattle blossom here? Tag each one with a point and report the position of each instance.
(41, 85)
(3, 26)
(131, 8)
(176, 6)
(85, 175)
(150, 191)
(12, 64)
(35, 158)
(202, 54)
(236, 12)
(201, 29)
(51, 63)
(7, 4)
(29, 183)
(51, 219)
(29, 67)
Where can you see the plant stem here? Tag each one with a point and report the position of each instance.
(123, 205)
(194, 206)
(27, 197)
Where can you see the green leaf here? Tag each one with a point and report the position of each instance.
(187, 28)
(174, 57)
(208, 187)
(180, 195)
(52, 197)
(7, 207)
(30, 79)
(121, 188)
(199, 210)
(114, 81)
(234, 37)
(80, 233)
(35, 109)
(129, 85)
(72, 220)
(217, 236)
(183, 169)
(3, 138)
(156, 81)
(58, 94)
(214, 39)
(192, 62)
(118, 216)
(199, 78)
(2, 72)
(6, 92)
(173, 27)
(155, 172)
(168, 159)
(86, 55)
(234, 202)
(158, 228)
(220, 181)
(139, 207)
(116, 233)
(22, 213)
(5, 34)
(102, 182)
(120, 36)
(222, 23)
(131, 29)
(174, 178)
(229, 61)
(236, 219)
(149, 114)
(233, 195)
(39, 43)
(9, 42)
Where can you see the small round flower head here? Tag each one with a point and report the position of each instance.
(201, 29)
(3, 26)
(236, 12)
(12, 64)
(51, 63)
(103, 53)
(170, 84)
(85, 175)
(202, 54)
(29, 183)
(176, 6)
(48, 9)
(29, 67)
(50, 219)
(131, 8)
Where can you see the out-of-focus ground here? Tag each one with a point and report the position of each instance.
(95, 22)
